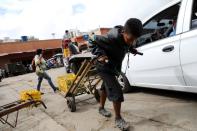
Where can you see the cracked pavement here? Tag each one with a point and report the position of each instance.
(144, 109)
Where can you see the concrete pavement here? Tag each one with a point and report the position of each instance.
(146, 110)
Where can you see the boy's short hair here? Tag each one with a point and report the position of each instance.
(38, 51)
(133, 26)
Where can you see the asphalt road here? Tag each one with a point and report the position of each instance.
(144, 109)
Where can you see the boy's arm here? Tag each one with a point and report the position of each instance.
(134, 51)
(100, 46)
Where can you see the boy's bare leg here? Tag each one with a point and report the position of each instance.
(119, 121)
(103, 97)
(117, 109)
(102, 110)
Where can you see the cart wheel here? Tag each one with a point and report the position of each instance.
(71, 104)
(97, 95)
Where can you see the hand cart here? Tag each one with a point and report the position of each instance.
(86, 81)
(16, 106)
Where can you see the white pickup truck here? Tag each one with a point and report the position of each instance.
(169, 44)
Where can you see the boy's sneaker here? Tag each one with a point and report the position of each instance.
(104, 112)
(122, 124)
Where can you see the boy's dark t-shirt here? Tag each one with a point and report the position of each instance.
(114, 47)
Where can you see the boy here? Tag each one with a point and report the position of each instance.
(111, 50)
(40, 64)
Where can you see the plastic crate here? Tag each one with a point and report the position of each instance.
(65, 81)
(30, 94)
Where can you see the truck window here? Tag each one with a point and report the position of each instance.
(161, 26)
(194, 16)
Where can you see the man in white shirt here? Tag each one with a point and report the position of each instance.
(65, 43)
(40, 64)
(66, 35)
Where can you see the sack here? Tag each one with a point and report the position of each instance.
(30, 94)
(65, 81)
(33, 65)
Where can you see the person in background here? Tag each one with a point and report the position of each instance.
(93, 36)
(40, 65)
(173, 33)
(73, 49)
(111, 50)
(3, 73)
(66, 35)
(65, 42)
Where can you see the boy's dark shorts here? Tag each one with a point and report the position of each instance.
(112, 87)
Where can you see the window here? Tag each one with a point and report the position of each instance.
(161, 26)
(194, 16)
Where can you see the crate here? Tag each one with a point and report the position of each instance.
(30, 94)
(65, 81)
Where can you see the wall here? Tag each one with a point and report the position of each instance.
(15, 47)
(4, 60)
(24, 51)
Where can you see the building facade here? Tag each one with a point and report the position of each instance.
(23, 52)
